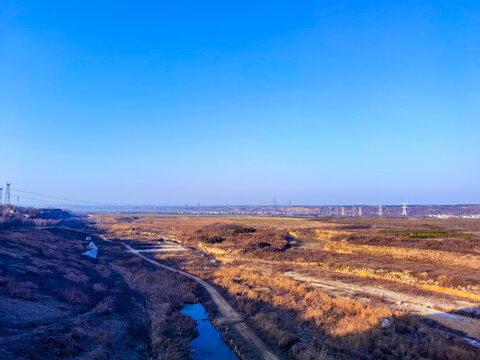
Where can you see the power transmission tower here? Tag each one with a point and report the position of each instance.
(359, 211)
(380, 210)
(7, 195)
(404, 209)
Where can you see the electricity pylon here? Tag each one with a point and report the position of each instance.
(404, 209)
(7, 195)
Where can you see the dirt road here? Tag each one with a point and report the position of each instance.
(229, 315)
(426, 307)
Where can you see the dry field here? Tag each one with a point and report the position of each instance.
(57, 304)
(324, 288)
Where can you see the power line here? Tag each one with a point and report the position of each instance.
(55, 197)
(42, 200)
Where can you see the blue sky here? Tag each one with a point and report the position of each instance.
(241, 102)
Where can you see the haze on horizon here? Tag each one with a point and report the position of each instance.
(241, 102)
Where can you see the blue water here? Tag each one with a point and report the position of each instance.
(208, 344)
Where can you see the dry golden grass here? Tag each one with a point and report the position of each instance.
(319, 234)
(279, 307)
(421, 255)
(407, 278)
(316, 305)
(334, 317)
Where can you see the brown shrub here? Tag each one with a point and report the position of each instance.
(99, 288)
(132, 260)
(271, 325)
(76, 277)
(106, 306)
(63, 346)
(74, 296)
(19, 290)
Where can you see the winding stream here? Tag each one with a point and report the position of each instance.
(208, 344)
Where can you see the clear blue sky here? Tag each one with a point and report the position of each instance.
(241, 102)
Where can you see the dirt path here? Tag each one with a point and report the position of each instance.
(229, 315)
(310, 243)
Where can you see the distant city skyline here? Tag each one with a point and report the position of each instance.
(238, 103)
